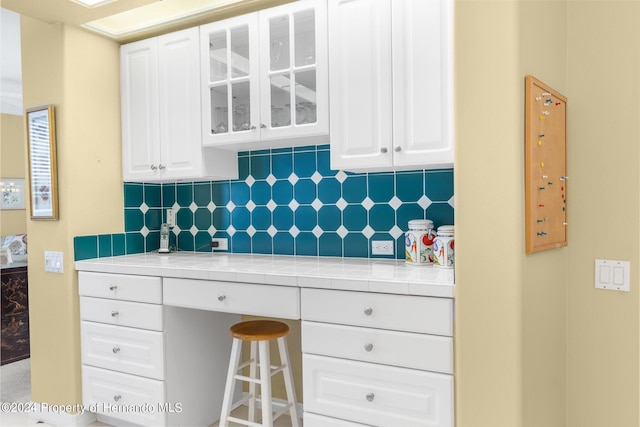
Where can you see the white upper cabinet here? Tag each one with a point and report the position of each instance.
(265, 78)
(160, 92)
(230, 84)
(391, 80)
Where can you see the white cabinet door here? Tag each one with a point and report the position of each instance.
(161, 137)
(294, 71)
(265, 78)
(229, 90)
(408, 350)
(179, 104)
(140, 120)
(391, 84)
(360, 76)
(376, 394)
(130, 350)
(114, 394)
(422, 83)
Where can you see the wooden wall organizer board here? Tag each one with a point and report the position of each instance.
(545, 167)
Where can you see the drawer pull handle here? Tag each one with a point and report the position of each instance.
(368, 347)
(116, 350)
(222, 297)
(114, 313)
(370, 397)
(113, 287)
(368, 311)
(117, 397)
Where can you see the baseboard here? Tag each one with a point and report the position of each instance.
(60, 415)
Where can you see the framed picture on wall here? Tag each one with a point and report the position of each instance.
(11, 193)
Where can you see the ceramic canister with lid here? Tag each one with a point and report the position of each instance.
(418, 242)
(444, 247)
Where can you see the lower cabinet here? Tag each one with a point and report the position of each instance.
(155, 351)
(379, 374)
(124, 397)
(146, 363)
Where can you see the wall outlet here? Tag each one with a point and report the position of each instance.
(382, 247)
(54, 262)
(171, 217)
(219, 244)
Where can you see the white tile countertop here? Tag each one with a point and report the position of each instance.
(355, 274)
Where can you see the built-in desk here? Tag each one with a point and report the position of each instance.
(376, 335)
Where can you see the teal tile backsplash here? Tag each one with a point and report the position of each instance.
(286, 201)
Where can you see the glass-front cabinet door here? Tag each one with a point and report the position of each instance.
(229, 69)
(293, 70)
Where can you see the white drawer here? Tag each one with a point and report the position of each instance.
(427, 352)
(315, 420)
(376, 394)
(121, 286)
(134, 351)
(126, 397)
(398, 312)
(229, 297)
(122, 313)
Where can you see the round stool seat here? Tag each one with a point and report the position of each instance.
(259, 330)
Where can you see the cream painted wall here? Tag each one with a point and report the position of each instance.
(511, 307)
(79, 73)
(489, 215)
(604, 211)
(543, 54)
(12, 165)
(531, 332)
(536, 344)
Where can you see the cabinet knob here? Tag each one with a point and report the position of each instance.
(383, 150)
(116, 350)
(114, 313)
(164, 167)
(113, 287)
(370, 397)
(253, 127)
(398, 149)
(368, 347)
(117, 397)
(368, 311)
(222, 297)
(263, 126)
(153, 167)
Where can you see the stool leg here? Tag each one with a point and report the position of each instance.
(288, 381)
(227, 401)
(253, 371)
(265, 383)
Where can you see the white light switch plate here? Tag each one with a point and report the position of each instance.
(53, 262)
(612, 275)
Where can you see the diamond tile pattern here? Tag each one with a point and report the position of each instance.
(286, 201)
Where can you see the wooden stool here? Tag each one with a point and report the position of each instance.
(259, 332)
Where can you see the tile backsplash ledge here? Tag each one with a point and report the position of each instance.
(286, 201)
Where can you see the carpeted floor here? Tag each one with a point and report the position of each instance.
(15, 381)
